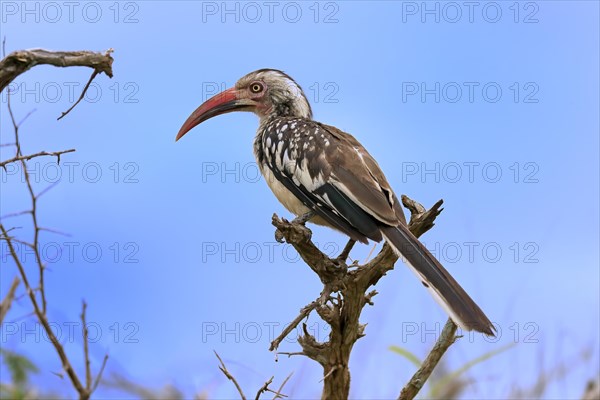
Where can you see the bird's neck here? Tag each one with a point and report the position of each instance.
(270, 121)
(287, 107)
(265, 123)
(284, 111)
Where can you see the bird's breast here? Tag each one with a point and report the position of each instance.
(285, 197)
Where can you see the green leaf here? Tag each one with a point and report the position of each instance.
(19, 366)
(446, 379)
(407, 354)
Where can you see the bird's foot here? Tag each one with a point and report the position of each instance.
(279, 236)
(302, 219)
(291, 232)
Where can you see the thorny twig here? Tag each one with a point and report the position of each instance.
(223, 369)
(56, 154)
(10, 67)
(35, 245)
(41, 316)
(263, 389)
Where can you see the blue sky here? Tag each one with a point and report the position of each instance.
(492, 107)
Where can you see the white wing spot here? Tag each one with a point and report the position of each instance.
(358, 152)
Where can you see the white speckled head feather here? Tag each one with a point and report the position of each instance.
(286, 97)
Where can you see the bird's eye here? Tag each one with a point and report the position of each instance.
(256, 87)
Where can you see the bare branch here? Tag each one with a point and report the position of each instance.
(99, 376)
(421, 220)
(223, 368)
(417, 381)
(346, 251)
(83, 92)
(40, 305)
(44, 321)
(18, 62)
(33, 197)
(14, 214)
(46, 190)
(290, 354)
(304, 312)
(56, 154)
(331, 371)
(278, 395)
(264, 388)
(86, 350)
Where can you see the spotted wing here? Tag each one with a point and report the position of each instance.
(332, 174)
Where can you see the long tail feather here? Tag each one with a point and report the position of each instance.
(444, 288)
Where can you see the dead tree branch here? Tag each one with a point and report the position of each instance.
(288, 329)
(447, 337)
(263, 389)
(34, 198)
(278, 395)
(41, 316)
(56, 154)
(83, 92)
(344, 295)
(10, 67)
(226, 372)
(86, 350)
(20, 61)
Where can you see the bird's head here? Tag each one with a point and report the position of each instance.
(266, 92)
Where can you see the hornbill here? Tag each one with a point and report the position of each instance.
(325, 176)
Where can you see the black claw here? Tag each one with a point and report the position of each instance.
(303, 218)
(279, 236)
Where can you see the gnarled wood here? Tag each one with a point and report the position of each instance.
(20, 61)
(344, 295)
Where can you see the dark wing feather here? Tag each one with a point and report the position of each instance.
(318, 205)
(357, 217)
(356, 174)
